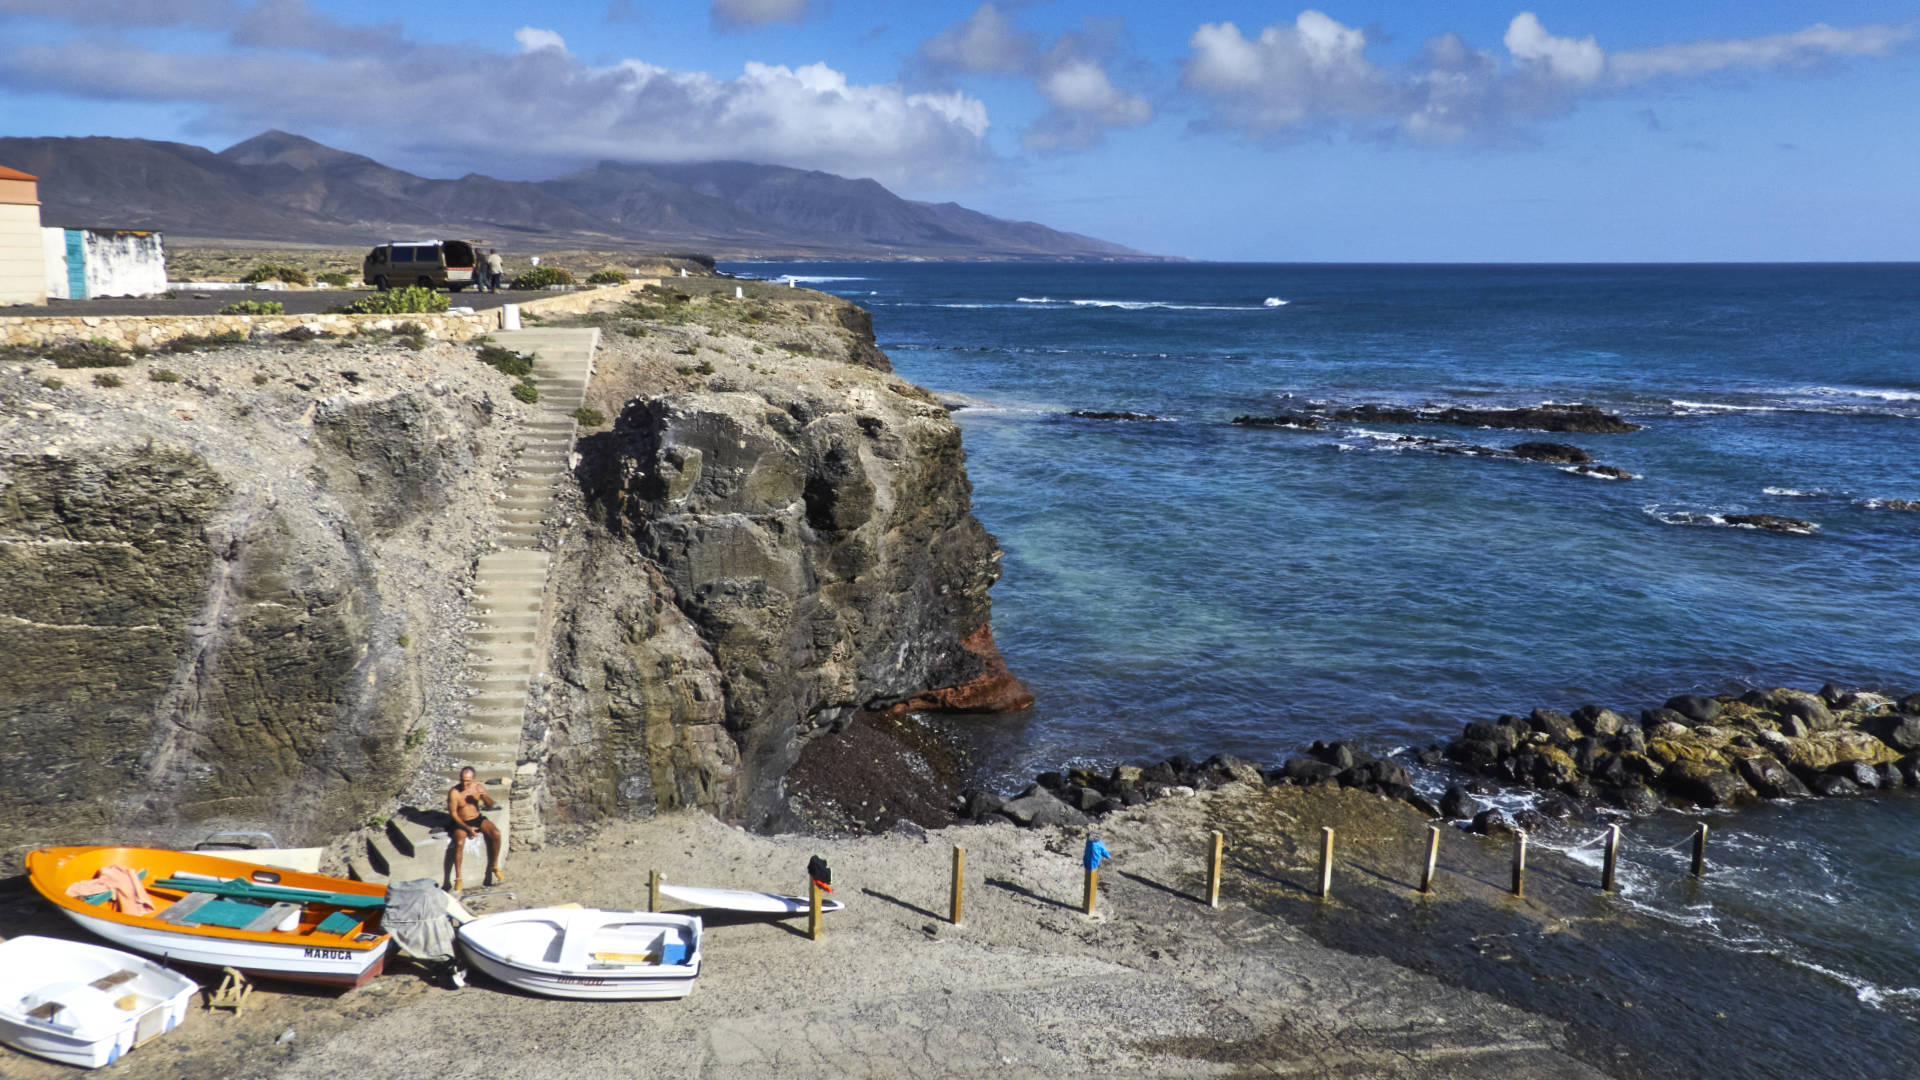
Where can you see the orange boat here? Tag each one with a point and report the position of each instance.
(219, 912)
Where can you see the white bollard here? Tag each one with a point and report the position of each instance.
(510, 317)
(790, 284)
(683, 271)
(739, 293)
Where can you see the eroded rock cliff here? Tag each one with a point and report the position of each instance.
(777, 535)
(231, 599)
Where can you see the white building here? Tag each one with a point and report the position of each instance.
(84, 263)
(22, 269)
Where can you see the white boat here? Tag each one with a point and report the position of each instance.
(82, 1004)
(759, 903)
(587, 953)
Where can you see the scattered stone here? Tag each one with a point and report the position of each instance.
(1303, 423)
(1695, 708)
(1491, 822)
(1090, 414)
(1545, 417)
(1773, 523)
(1551, 451)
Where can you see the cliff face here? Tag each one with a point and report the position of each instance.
(777, 539)
(204, 588)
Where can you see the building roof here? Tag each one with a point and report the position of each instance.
(15, 174)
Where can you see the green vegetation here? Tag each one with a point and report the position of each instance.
(334, 279)
(609, 276)
(526, 391)
(413, 335)
(190, 342)
(702, 368)
(589, 417)
(255, 307)
(412, 300)
(108, 380)
(292, 275)
(506, 361)
(301, 333)
(161, 374)
(83, 354)
(52, 383)
(261, 378)
(541, 277)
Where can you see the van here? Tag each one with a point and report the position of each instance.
(432, 264)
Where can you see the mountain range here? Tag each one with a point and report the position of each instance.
(287, 188)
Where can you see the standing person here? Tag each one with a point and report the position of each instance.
(464, 802)
(479, 271)
(495, 267)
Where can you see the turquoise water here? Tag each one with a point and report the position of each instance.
(1184, 585)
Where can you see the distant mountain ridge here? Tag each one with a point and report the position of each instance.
(279, 186)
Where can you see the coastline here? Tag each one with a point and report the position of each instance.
(1380, 982)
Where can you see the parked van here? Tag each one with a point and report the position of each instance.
(434, 264)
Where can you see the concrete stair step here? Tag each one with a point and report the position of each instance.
(520, 543)
(502, 637)
(464, 745)
(479, 687)
(360, 868)
(529, 620)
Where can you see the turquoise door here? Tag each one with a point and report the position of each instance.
(76, 265)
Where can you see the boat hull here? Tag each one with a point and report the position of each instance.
(88, 1031)
(319, 965)
(587, 954)
(302, 953)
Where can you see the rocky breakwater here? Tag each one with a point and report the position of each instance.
(230, 583)
(778, 537)
(1702, 751)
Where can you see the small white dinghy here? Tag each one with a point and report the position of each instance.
(587, 953)
(85, 1004)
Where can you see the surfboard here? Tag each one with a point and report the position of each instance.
(743, 900)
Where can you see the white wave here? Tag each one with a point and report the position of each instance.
(1873, 393)
(1151, 305)
(1685, 407)
(1713, 518)
(812, 279)
(1587, 470)
(1881, 504)
(1794, 493)
(1273, 301)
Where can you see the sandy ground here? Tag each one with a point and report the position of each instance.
(1156, 984)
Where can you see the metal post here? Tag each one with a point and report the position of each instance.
(1519, 864)
(1093, 889)
(1700, 851)
(1612, 863)
(653, 890)
(813, 916)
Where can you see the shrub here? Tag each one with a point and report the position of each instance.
(108, 380)
(541, 277)
(189, 342)
(413, 335)
(87, 354)
(526, 391)
(412, 300)
(261, 378)
(255, 307)
(588, 417)
(609, 276)
(301, 333)
(292, 275)
(334, 279)
(161, 374)
(52, 383)
(702, 368)
(506, 361)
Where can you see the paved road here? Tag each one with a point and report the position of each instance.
(297, 302)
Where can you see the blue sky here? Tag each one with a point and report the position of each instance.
(1220, 129)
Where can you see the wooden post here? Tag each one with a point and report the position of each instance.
(1213, 870)
(1093, 889)
(1326, 862)
(959, 880)
(813, 916)
(1519, 864)
(1700, 851)
(1433, 859)
(653, 890)
(1612, 862)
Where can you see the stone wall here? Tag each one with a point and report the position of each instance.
(151, 331)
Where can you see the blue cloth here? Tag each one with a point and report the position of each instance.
(1096, 854)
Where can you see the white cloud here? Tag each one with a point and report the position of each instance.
(1816, 45)
(1562, 58)
(986, 41)
(533, 39)
(759, 12)
(1314, 73)
(1070, 74)
(560, 111)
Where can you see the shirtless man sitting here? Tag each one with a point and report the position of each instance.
(464, 802)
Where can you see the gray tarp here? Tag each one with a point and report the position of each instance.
(421, 918)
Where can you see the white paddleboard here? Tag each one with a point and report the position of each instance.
(744, 900)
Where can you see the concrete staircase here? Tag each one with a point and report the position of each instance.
(510, 590)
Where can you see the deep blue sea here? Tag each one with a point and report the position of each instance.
(1185, 585)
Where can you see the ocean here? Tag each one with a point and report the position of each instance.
(1184, 585)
